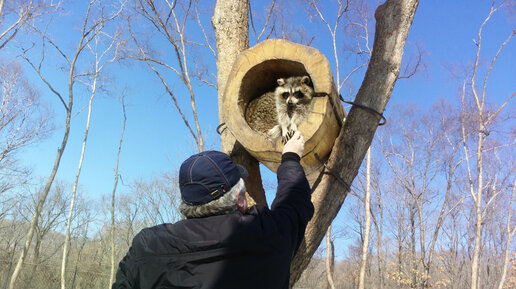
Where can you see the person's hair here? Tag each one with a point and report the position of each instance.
(223, 205)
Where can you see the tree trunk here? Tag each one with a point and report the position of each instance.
(378, 225)
(231, 23)
(367, 210)
(330, 259)
(510, 233)
(113, 265)
(35, 261)
(478, 213)
(413, 257)
(393, 21)
(43, 197)
(74, 189)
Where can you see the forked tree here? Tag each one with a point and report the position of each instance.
(394, 19)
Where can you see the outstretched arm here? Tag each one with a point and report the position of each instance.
(292, 208)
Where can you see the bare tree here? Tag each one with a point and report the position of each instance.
(23, 119)
(482, 119)
(51, 220)
(416, 151)
(88, 32)
(117, 176)
(100, 63)
(510, 230)
(377, 217)
(11, 237)
(367, 211)
(169, 19)
(343, 8)
(159, 199)
(268, 25)
(21, 12)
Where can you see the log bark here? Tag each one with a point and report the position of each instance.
(231, 23)
(393, 21)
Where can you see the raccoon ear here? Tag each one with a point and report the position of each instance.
(281, 81)
(306, 80)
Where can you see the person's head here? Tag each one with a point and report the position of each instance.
(211, 184)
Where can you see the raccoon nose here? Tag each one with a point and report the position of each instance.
(289, 101)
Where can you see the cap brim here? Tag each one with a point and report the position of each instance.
(243, 172)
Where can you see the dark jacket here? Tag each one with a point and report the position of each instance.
(251, 250)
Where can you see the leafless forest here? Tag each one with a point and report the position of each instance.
(431, 207)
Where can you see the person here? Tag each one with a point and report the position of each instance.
(222, 243)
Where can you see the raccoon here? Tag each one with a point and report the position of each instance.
(293, 104)
(260, 114)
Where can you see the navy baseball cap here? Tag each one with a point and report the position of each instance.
(207, 176)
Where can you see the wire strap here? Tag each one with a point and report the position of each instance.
(219, 127)
(366, 108)
(333, 172)
(323, 94)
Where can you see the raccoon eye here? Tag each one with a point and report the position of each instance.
(299, 94)
(285, 95)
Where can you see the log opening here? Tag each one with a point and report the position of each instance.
(255, 104)
(249, 105)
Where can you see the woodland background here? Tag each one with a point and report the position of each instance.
(127, 89)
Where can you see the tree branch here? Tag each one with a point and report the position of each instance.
(394, 19)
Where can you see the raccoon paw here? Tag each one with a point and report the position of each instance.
(287, 136)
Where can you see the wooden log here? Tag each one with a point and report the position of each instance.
(250, 111)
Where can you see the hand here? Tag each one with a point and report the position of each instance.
(296, 144)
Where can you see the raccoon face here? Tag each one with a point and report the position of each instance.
(292, 98)
(294, 90)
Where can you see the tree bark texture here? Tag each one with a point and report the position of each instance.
(231, 23)
(393, 21)
(330, 259)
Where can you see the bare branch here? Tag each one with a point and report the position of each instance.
(169, 91)
(271, 9)
(480, 101)
(464, 145)
(351, 73)
(38, 71)
(44, 37)
(414, 69)
(208, 83)
(204, 33)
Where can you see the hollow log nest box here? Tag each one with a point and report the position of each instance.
(255, 72)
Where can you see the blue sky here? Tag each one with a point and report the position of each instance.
(156, 140)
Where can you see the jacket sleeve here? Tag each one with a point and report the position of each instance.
(292, 208)
(123, 277)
